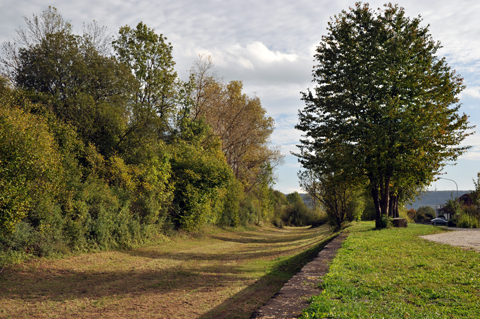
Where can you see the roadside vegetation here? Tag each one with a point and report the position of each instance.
(103, 146)
(216, 273)
(463, 212)
(393, 273)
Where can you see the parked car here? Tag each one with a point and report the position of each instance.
(439, 221)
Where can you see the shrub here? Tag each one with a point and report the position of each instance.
(278, 223)
(385, 221)
(197, 174)
(467, 221)
(249, 210)
(297, 213)
(30, 165)
(145, 185)
(412, 214)
(426, 212)
(230, 212)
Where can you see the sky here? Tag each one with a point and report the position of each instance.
(269, 45)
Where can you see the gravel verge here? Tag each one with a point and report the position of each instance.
(460, 237)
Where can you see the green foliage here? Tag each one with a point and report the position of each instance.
(339, 197)
(79, 85)
(280, 204)
(453, 207)
(230, 214)
(426, 211)
(197, 174)
(29, 165)
(384, 106)
(423, 212)
(385, 222)
(475, 195)
(296, 213)
(149, 57)
(102, 152)
(369, 208)
(295, 199)
(467, 221)
(356, 206)
(412, 214)
(145, 185)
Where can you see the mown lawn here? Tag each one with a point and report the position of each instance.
(219, 274)
(393, 273)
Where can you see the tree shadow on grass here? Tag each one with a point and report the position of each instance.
(248, 252)
(249, 238)
(125, 277)
(245, 302)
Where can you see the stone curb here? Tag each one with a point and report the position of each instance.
(289, 302)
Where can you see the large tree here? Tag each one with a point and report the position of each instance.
(68, 75)
(385, 99)
(238, 120)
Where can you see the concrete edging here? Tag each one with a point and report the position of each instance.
(293, 297)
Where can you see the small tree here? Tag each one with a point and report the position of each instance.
(338, 196)
(412, 214)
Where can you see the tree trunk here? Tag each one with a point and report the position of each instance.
(385, 196)
(380, 200)
(391, 204)
(395, 208)
(376, 203)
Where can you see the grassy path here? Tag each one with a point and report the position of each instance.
(220, 275)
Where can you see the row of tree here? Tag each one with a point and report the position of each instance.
(103, 145)
(383, 114)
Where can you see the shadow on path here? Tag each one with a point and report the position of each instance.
(266, 287)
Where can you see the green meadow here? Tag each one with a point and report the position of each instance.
(393, 273)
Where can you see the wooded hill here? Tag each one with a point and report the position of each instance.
(432, 198)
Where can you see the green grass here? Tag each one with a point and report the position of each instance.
(393, 273)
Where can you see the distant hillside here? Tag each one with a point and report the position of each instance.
(432, 198)
(429, 198)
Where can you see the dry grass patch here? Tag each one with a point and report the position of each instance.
(218, 275)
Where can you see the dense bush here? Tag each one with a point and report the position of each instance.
(296, 213)
(30, 165)
(467, 221)
(425, 212)
(230, 214)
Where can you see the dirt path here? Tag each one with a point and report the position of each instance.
(222, 275)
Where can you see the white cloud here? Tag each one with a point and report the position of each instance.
(259, 65)
(287, 149)
(471, 92)
(292, 165)
(286, 135)
(473, 153)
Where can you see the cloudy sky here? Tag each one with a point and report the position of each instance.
(269, 45)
